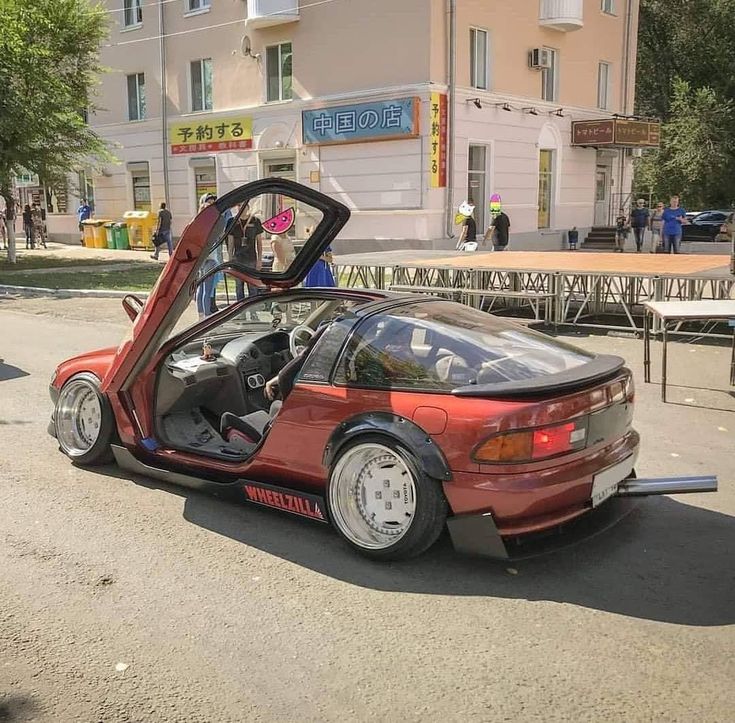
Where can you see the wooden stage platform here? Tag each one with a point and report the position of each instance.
(559, 287)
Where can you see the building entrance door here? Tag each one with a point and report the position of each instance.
(602, 195)
(274, 204)
(476, 185)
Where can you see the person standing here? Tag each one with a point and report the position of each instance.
(163, 232)
(621, 230)
(3, 230)
(639, 220)
(84, 213)
(28, 226)
(320, 274)
(38, 224)
(205, 288)
(499, 231)
(469, 226)
(573, 238)
(656, 224)
(284, 252)
(246, 249)
(674, 216)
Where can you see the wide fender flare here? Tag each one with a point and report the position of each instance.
(395, 427)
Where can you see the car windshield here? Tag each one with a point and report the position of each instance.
(442, 345)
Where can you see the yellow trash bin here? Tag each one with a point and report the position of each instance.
(88, 227)
(100, 235)
(141, 225)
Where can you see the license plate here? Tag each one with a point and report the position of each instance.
(605, 484)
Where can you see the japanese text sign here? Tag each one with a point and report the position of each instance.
(438, 140)
(617, 132)
(209, 134)
(381, 120)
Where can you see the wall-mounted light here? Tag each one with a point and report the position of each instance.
(559, 112)
(476, 102)
(530, 110)
(504, 106)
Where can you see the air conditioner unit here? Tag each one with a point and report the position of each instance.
(539, 59)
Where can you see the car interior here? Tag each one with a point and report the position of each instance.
(210, 392)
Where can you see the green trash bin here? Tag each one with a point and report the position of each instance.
(108, 235)
(120, 236)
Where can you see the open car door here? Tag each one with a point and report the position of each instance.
(237, 231)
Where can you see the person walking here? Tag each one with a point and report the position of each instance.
(28, 226)
(469, 226)
(674, 216)
(163, 232)
(639, 220)
(84, 213)
(499, 231)
(621, 231)
(284, 252)
(4, 243)
(656, 224)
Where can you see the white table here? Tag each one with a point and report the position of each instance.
(678, 311)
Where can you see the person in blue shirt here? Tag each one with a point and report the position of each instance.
(84, 213)
(673, 217)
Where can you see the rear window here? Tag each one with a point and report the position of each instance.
(442, 345)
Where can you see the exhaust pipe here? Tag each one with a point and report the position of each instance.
(666, 486)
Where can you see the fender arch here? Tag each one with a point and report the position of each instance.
(398, 428)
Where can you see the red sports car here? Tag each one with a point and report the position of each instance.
(386, 415)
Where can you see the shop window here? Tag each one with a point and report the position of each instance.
(201, 84)
(136, 97)
(141, 187)
(205, 180)
(545, 182)
(278, 63)
(85, 187)
(478, 58)
(132, 12)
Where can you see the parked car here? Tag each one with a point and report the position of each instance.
(704, 226)
(399, 413)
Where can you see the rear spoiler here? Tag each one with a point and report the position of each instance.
(599, 369)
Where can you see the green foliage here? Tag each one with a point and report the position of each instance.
(49, 68)
(686, 51)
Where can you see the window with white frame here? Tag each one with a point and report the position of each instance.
(136, 96)
(194, 5)
(603, 86)
(550, 77)
(608, 6)
(201, 84)
(279, 72)
(479, 58)
(132, 12)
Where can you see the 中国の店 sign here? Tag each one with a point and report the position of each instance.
(377, 121)
(210, 134)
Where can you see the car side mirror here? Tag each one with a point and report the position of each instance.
(132, 305)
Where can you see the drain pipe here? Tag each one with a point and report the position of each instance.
(625, 89)
(451, 72)
(164, 98)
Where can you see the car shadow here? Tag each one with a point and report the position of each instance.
(8, 372)
(17, 708)
(667, 561)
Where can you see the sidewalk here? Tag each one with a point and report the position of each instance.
(82, 253)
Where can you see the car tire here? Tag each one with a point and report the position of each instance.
(395, 517)
(83, 421)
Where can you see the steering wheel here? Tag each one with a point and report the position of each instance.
(293, 338)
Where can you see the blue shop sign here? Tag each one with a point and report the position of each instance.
(378, 121)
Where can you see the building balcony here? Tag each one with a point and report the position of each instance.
(264, 13)
(562, 15)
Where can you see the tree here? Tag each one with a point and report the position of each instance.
(685, 79)
(49, 68)
(697, 144)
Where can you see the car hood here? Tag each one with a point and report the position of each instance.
(97, 362)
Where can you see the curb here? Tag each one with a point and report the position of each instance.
(69, 293)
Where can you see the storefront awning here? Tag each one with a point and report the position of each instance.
(616, 133)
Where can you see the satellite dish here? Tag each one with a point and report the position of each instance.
(246, 48)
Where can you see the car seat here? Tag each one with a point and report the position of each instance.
(249, 427)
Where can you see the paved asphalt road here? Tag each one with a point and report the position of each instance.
(125, 600)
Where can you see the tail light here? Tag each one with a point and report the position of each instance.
(531, 445)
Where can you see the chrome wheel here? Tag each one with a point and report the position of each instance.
(78, 417)
(372, 496)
